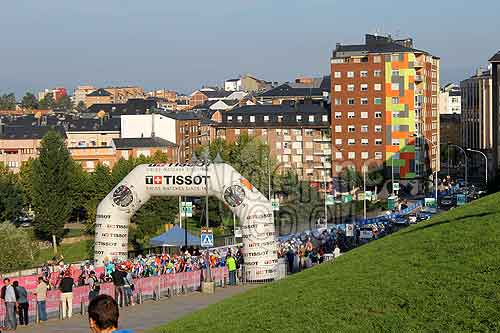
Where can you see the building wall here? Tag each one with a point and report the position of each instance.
(90, 157)
(91, 100)
(123, 94)
(80, 93)
(140, 126)
(146, 152)
(14, 152)
(188, 137)
(91, 139)
(197, 98)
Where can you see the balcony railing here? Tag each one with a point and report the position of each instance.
(419, 78)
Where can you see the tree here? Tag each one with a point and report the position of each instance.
(11, 199)
(100, 183)
(52, 187)
(8, 101)
(17, 248)
(47, 102)
(64, 103)
(81, 107)
(29, 101)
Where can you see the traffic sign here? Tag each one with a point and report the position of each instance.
(346, 198)
(275, 203)
(430, 202)
(395, 186)
(329, 200)
(461, 199)
(207, 237)
(187, 209)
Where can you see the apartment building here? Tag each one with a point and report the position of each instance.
(495, 75)
(80, 93)
(315, 89)
(450, 99)
(298, 135)
(477, 110)
(384, 104)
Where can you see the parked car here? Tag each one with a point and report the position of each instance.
(447, 202)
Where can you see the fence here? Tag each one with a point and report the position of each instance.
(154, 287)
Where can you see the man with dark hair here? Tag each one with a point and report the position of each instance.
(103, 315)
(22, 303)
(9, 295)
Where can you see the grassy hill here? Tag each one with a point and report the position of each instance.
(442, 275)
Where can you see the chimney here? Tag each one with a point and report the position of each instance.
(152, 125)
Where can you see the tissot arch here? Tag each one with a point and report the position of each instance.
(184, 179)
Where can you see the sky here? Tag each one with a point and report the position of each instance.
(183, 45)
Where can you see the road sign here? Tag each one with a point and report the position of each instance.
(346, 198)
(391, 203)
(430, 202)
(395, 186)
(207, 237)
(329, 200)
(461, 199)
(349, 230)
(237, 232)
(276, 204)
(187, 209)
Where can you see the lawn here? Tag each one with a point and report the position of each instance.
(71, 252)
(439, 276)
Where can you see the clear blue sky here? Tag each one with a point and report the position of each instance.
(182, 45)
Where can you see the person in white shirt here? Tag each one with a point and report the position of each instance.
(8, 294)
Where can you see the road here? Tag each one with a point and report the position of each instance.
(144, 316)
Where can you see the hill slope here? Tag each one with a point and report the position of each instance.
(442, 275)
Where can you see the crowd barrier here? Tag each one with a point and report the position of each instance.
(154, 288)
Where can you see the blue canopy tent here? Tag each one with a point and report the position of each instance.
(175, 237)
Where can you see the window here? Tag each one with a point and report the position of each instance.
(229, 118)
(377, 87)
(351, 142)
(350, 101)
(377, 100)
(338, 87)
(395, 86)
(240, 118)
(298, 118)
(337, 75)
(350, 87)
(394, 57)
(266, 118)
(377, 73)
(350, 74)
(309, 132)
(263, 132)
(338, 115)
(378, 155)
(237, 131)
(378, 114)
(338, 155)
(364, 87)
(377, 59)
(364, 128)
(351, 155)
(395, 142)
(363, 73)
(395, 72)
(297, 132)
(338, 101)
(364, 155)
(364, 115)
(311, 119)
(364, 142)
(364, 101)
(395, 114)
(350, 115)
(252, 119)
(378, 142)
(280, 119)
(338, 141)
(338, 129)
(251, 131)
(395, 100)
(278, 132)
(378, 128)
(324, 118)
(351, 128)
(338, 61)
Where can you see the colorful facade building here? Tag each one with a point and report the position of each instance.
(384, 104)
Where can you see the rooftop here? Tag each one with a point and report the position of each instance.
(10, 132)
(97, 125)
(126, 143)
(495, 58)
(99, 92)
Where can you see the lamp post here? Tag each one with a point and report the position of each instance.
(486, 159)
(465, 154)
(436, 183)
(364, 191)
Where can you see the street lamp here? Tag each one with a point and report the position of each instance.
(364, 191)
(465, 154)
(486, 159)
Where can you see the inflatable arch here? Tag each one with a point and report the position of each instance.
(186, 179)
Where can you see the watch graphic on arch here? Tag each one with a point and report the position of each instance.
(234, 195)
(123, 196)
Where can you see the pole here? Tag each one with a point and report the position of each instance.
(486, 163)
(448, 160)
(466, 158)
(209, 277)
(392, 174)
(180, 198)
(324, 184)
(436, 188)
(364, 192)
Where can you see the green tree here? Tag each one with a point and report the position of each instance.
(80, 107)
(29, 101)
(11, 199)
(47, 103)
(17, 248)
(100, 183)
(64, 103)
(52, 187)
(26, 181)
(8, 101)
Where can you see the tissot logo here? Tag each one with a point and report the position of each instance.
(176, 180)
(157, 180)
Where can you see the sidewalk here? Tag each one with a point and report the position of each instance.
(143, 316)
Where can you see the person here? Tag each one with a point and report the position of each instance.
(94, 286)
(66, 287)
(118, 277)
(9, 296)
(41, 296)
(22, 303)
(129, 287)
(103, 315)
(231, 267)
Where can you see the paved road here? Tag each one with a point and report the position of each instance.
(144, 316)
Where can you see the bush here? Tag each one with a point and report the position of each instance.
(17, 248)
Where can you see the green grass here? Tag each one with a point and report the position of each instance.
(71, 252)
(439, 276)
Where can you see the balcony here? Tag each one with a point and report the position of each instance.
(419, 78)
(323, 152)
(323, 139)
(418, 64)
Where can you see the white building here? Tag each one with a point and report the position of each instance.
(450, 100)
(145, 125)
(232, 85)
